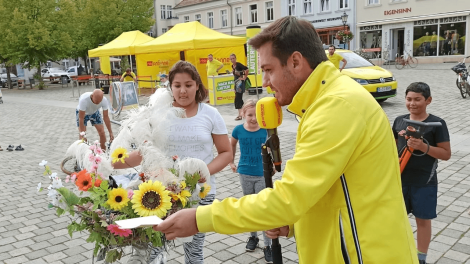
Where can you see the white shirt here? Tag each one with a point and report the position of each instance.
(192, 137)
(85, 104)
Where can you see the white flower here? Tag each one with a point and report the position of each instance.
(83, 133)
(39, 187)
(57, 183)
(54, 196)
(53, 175)
(43, 163)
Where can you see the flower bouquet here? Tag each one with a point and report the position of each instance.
(344, 35)
(95, 202)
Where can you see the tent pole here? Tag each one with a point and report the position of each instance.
(130, 61)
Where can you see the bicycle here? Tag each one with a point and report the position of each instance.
(462, 81)
(401, 61)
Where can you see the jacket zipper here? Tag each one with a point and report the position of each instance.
(351, 219)
(344, 249)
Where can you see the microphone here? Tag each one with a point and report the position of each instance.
(269, 117)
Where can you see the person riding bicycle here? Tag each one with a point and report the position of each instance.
(128, 76)
(88, 109)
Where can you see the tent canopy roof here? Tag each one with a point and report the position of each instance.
(122, 45)
(189, 36)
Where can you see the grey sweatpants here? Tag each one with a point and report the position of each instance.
(253, 185)
(193, 253)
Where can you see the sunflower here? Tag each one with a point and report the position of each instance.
(204, 190)
(151, 199)
(83, 181)
(183, 195)
(119, 154)
(117, 198)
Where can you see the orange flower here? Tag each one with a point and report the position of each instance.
(98, 182)
(83, 181)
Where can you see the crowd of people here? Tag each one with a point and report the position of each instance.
(342, 195)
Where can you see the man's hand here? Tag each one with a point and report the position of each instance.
(111, 137)
(417, 143)
(233, 166)
(277, 232)
(181, 224)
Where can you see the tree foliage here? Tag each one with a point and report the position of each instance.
(37, 31)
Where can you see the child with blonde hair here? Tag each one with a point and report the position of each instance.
(250, 166)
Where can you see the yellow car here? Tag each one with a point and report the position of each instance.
(378, 81)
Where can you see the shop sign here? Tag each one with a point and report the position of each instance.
(326, 19)
(223, 60)
(397, 11)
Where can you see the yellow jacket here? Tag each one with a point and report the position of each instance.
(343, 131)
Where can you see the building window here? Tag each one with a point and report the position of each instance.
(291, 7)
(452, 40)
(223, 18)
(307, 6)
(163, 12)
(324, 5)
(210, 19)
(373, 2)
(164, 30)
(186, 19)
(197, 18)
(239, 16)
(343, 4)
(253, 14)
(168, 12)
(269, 11)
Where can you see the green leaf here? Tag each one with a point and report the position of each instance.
(70, 198)
(49, 206)
(112, 256)
(94, 237)
(60, 211)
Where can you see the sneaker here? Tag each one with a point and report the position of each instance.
(422, 262)
(268, 255)
(252, 244)
(10, 147)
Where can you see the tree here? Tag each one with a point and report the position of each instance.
(35, 32)
(99, 22)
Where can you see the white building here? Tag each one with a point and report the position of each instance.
(164, 16)
(325, 16)
(229, 16)
(432, 30)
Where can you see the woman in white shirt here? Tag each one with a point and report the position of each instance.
(193, 136)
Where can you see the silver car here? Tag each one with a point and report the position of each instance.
(4, 80)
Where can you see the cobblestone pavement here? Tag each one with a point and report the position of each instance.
(43, 122)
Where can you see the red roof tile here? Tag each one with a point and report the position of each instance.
(191, 2)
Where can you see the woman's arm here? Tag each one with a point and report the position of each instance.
(133, 160)
(224, 149)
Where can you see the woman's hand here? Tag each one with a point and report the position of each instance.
(233, 166)
(277, 232)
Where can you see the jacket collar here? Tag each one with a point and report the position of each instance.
(313, 87)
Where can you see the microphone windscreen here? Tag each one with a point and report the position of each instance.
(268, 113)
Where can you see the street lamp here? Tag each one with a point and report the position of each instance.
(344, 18)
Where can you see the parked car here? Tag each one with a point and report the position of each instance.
(378, 81)
(76, 71)
(4, 80)
(53, 72)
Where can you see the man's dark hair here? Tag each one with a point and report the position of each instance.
(419, 87)
(290, 34)
(187, 67)
(333, 46)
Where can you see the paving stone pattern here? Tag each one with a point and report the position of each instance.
(44, 123)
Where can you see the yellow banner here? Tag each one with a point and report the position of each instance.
(105, 65)
(150, 66)
(221, 90)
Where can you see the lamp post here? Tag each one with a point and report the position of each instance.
(344, 18)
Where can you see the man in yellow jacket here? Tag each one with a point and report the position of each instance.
(341, 194)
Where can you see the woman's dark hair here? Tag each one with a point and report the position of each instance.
(186, 67)
(290, 34)
(419, 87)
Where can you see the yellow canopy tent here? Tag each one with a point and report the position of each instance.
(192, 42)
(122, 45)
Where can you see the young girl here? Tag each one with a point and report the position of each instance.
(193, 136)
(250, 166)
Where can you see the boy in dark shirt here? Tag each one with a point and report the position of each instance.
(419, 178)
